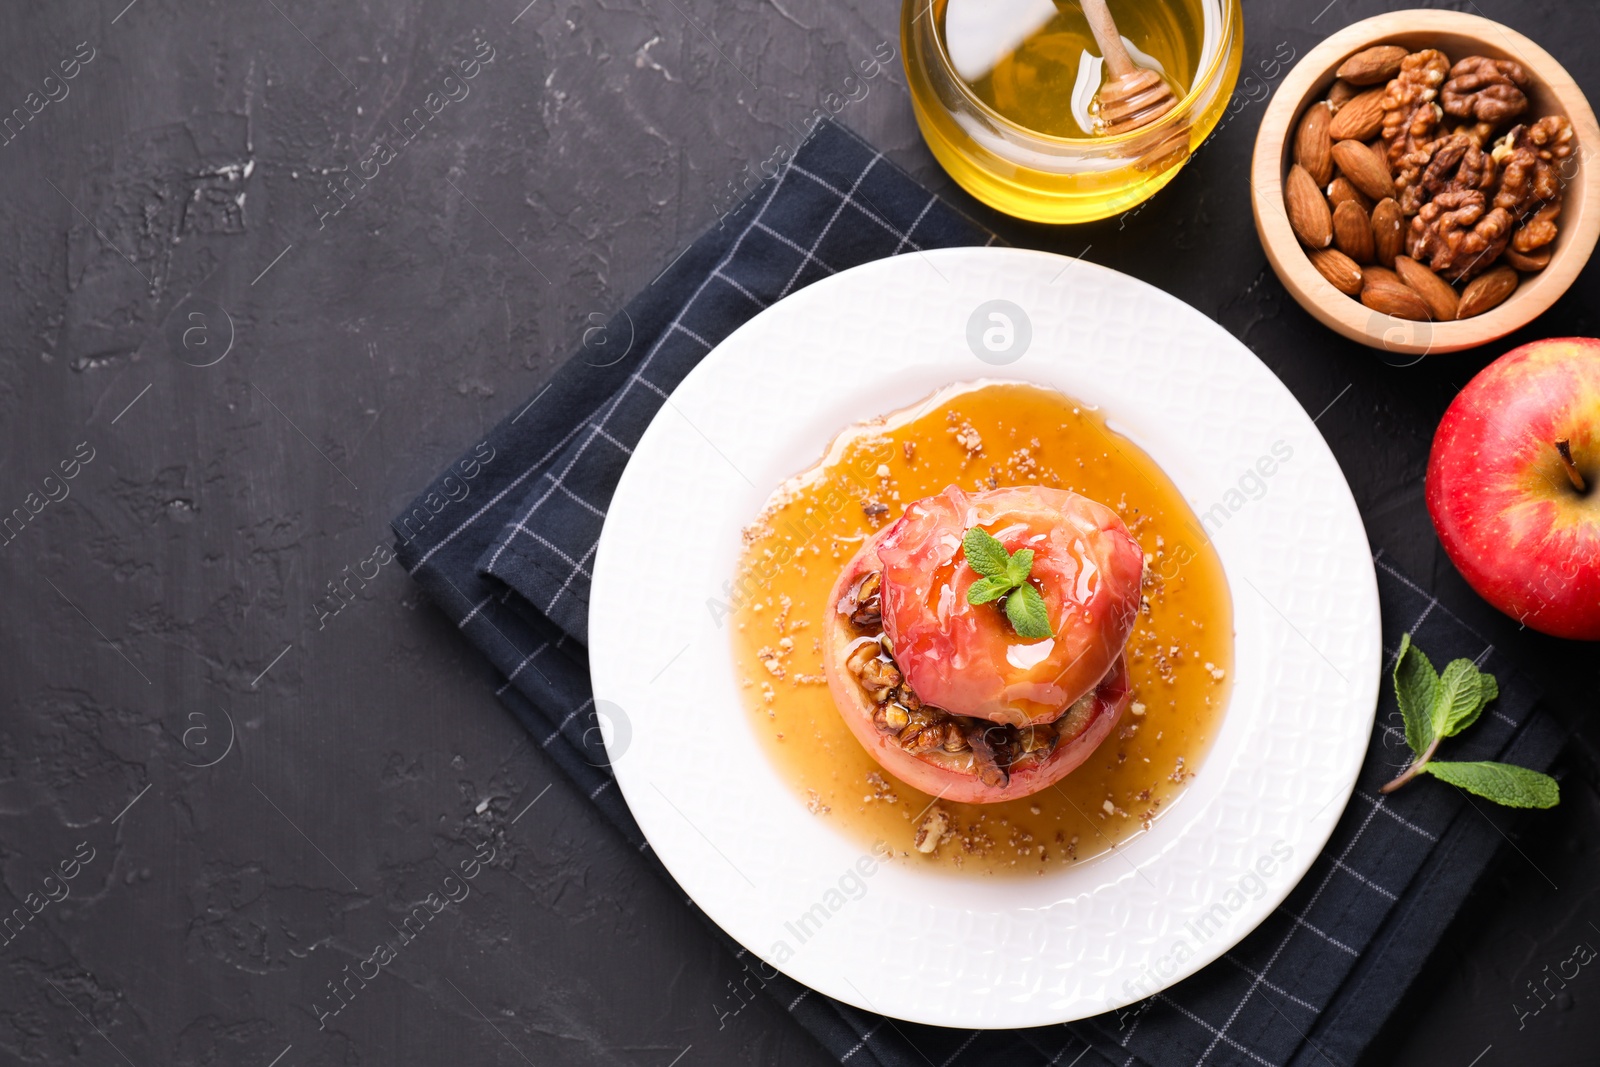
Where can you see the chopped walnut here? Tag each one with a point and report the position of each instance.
(1456, 236)
(881, 790)
(1484, 89)
(1531, 158)
(865, 603)
(771, 659)
(991, 770)
(966, 434)
(932, 831)
(878, 676)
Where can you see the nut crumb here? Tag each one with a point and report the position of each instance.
(934, 826)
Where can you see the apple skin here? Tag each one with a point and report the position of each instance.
(1505, 510)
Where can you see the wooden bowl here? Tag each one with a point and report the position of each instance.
(1551, 92)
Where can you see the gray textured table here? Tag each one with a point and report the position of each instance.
(248, 787)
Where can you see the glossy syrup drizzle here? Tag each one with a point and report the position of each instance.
(982, 436)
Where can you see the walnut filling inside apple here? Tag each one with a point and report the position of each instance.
(957, 743)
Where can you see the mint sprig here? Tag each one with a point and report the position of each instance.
(1435, 707)
(1005, 574)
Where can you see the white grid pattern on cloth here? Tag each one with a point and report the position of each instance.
(1378, 804)
(577, 569)
(525, 661)
(973, 1036)
(1282, 992)
(489, 504)
(845, 200)
(932, 200)
(859, 1045)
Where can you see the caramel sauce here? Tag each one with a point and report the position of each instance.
(982, 436)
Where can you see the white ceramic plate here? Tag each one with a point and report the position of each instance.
(971, 951)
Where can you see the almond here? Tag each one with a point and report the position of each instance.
(1441, 299)
(1486, 291)
(1308, 209)
(1341, 93)
(1372, 65)
(1312, 145)
(1382, 290)
(1527, 261)
(1360, 118)
(1399, 303)
(1388, 231)
(1380, 152)
(1352, 232)
(1361, 165)
(1340, 190)
(1341, 271)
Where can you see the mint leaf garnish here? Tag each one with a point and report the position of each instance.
(1416, 687)
(985, 554)
(1025, 609)
(1435, 707)
(1503, 783)
(1019, 566)
(1463, 692)
(986, 589)
(1005, 574)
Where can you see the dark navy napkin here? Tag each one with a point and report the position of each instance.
(504, 540)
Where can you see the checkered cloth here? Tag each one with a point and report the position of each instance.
(503, 542)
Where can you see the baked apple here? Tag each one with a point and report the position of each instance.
(931, 673)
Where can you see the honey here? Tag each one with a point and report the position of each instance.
(1005, 94)
(982, 436)
(1036, 83)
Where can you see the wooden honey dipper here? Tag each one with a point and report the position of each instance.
(1133, 97)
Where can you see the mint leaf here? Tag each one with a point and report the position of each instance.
(1025, 608)
(1416, 688)
(1463, 692)
(986, 589)
(1515, 787)
(985, 554)
(1435, 708)
(1019, 566)
(1005, 575)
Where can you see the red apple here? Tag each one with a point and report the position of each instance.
(1514, 485)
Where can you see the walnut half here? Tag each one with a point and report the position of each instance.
(1532, 157)
(1485, 90)
(1457, 162)
(1458, 235)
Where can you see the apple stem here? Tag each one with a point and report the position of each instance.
(1564, 450)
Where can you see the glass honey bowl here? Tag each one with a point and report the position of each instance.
(1005, 94)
